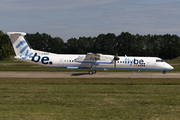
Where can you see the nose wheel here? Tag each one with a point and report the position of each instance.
(164, 72)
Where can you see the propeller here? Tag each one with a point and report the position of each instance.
(115, 59)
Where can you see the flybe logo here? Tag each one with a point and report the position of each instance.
(95, 59)
(44, 60)
(134, 61)
(35, 58)
(25, 48)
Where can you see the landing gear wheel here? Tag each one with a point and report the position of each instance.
(164, 72)
(90, 72)
(94, 71)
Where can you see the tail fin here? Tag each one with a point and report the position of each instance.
(20, 45)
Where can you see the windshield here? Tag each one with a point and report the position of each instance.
(159, 61)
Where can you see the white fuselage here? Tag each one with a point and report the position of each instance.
(70, 61)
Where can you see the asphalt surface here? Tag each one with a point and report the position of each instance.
(86, 75)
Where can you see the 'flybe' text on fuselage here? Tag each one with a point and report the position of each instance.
(44, 60)
(135, 61)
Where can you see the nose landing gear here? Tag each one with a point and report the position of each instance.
(164, 72)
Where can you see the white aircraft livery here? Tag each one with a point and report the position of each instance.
(90, 61)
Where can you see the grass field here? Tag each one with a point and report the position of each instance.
(87, 98)
(94, 99)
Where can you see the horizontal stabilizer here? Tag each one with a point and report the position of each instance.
(20, 45)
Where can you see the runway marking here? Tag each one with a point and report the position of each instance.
(86, 75)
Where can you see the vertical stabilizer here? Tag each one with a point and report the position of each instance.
(20, 45)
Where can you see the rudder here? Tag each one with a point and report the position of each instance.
(20, 45)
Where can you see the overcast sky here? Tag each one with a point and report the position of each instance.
(78, 18)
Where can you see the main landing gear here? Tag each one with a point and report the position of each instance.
(164, 72)
(93, 70)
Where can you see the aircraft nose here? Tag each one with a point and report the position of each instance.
(170, 67)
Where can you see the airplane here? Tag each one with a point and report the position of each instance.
(90, 61)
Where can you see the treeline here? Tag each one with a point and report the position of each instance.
(6, 49)
(164, 46)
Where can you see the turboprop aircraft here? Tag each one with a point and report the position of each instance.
(90, 61)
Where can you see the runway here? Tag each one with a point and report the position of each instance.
(86, 75)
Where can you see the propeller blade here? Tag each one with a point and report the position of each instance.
(115, 64)
(116, 58)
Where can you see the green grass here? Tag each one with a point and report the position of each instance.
(94, 99)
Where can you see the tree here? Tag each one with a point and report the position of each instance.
(170, 46)
(126, 44)
(98, 46)
(105, 44)
(72, 46)
(164, 46)
(6, 50)
(139, 45)
(45, 42)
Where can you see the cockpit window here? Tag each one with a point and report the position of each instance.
(159, 61)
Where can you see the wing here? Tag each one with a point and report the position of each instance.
(95, 59)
